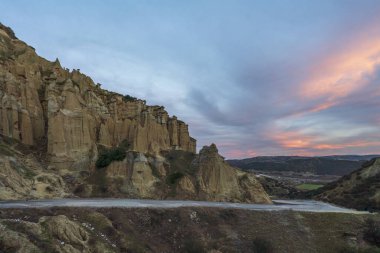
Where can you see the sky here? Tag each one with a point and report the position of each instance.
(279, 77)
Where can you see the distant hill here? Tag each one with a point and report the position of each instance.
(359, 190)
(327, 165)
(352, 157)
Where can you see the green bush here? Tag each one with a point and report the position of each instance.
(262, 246)
(108, 156)
(128, 98)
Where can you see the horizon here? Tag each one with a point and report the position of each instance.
(254, 86)
(301, 156)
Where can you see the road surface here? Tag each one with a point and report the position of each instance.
(279, 205)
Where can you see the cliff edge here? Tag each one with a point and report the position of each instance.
(88, 141)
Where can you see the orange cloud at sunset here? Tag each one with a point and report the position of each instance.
(344, 72)
(308, 144)
(293, 139)
(348, 145)
(241, 153)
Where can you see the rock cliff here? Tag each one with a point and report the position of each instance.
(219, 181)
(175, 175)
(72, 137)
(43, 103)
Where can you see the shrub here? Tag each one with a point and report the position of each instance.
(108, 156)
(262, 246)
(128, 98)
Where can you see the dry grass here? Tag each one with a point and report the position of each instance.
(205, 229)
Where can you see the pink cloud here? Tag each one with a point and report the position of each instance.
(345, 71)
(238, 153)
(300, 143)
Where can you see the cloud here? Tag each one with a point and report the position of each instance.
(255, 77)
(345, 71)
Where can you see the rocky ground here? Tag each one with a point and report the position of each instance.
(183, 230)
(24, 176)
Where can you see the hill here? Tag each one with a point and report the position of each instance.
(360, 189)
(327, 165)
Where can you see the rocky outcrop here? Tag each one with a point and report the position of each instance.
(176, 175)
(23, 177)
(132, 176)
(54, 234)
(67, 124)
(65, 230)
(359, 190)
(41, 102)
(219, 181)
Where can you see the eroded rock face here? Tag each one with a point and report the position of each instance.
(219, 181)
(22, 176)
(55, 233)
(41, 102)
(179, 175)
(134, 175)
(68, 120)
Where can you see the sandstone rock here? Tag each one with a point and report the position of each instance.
(66, 119)
(137, 169)
(21, 176)
(205, 177)
(186, 184)
(221, 182)
(143, 180)
(41, 100)
(12, 183)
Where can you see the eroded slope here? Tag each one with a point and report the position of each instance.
(360, 189)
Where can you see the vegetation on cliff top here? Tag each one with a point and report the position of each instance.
(128, 98)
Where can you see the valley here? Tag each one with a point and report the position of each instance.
(300, 174)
